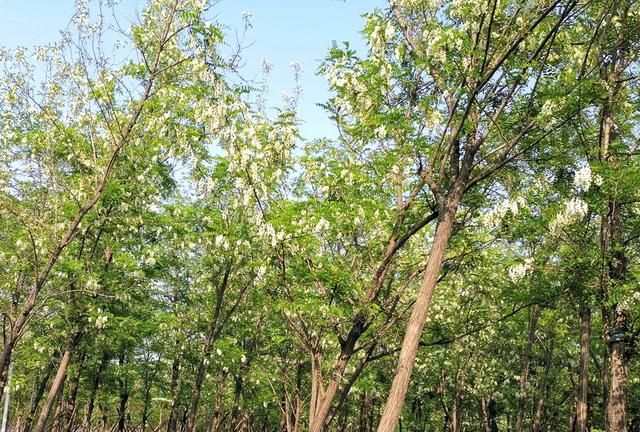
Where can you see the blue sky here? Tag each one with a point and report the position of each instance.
(283, 31)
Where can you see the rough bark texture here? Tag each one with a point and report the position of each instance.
(406, 360)
(56, 386)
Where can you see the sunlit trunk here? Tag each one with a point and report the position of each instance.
(409, 350)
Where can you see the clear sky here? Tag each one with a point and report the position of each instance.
(283, 31)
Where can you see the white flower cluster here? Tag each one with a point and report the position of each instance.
(575, 210)
(519, 271)
(583, 178)
(626, 303)
(494, 218)
(381, 132)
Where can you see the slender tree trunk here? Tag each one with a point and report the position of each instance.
(124, 396)
(145, 410)
(88, 412)
(172, 423)
(489, 413)
(604, 372)
(37, 397)
(324, 397)
(582, 403)
(57, 384)
(400, 384)
(524, 373)
(212, 334)
(543, 390)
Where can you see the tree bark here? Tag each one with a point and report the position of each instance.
(124, 395)
(212, 335)
(617, 408)
(37, 397)
(543, 390)
(88, 413)
(57, 384)
(582, 402)
(408, 352)
(172, 423)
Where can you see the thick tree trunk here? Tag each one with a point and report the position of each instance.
(582, 402)
(408, 352)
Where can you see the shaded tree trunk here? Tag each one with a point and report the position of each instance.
(88, 412)
(582, 402)
(37, 397)
(124, 395)
(543, 390)
(524, 373)
(172, 423)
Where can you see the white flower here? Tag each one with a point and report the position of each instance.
(582, 178)
(519, 271)
(218, 351)
(381, 132)
(322, 225)
(575, 210)
(243, 358)
(597, 180)
(494, 218)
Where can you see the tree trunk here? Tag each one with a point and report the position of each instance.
(86, 421)
(57, 384)
(124, 395)
(543, 390)
(582, 402)
(400, 384)
(37, 397)
(617, 408)
(172, 423)
(524, 373)
(212, 335)
(489, 413)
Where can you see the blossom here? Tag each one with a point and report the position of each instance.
(574, 210)
(494, 218)
(582, 178)
(322, 226)
(381, 132)
(519, 271)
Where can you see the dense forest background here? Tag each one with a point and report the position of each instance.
(462, 257)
